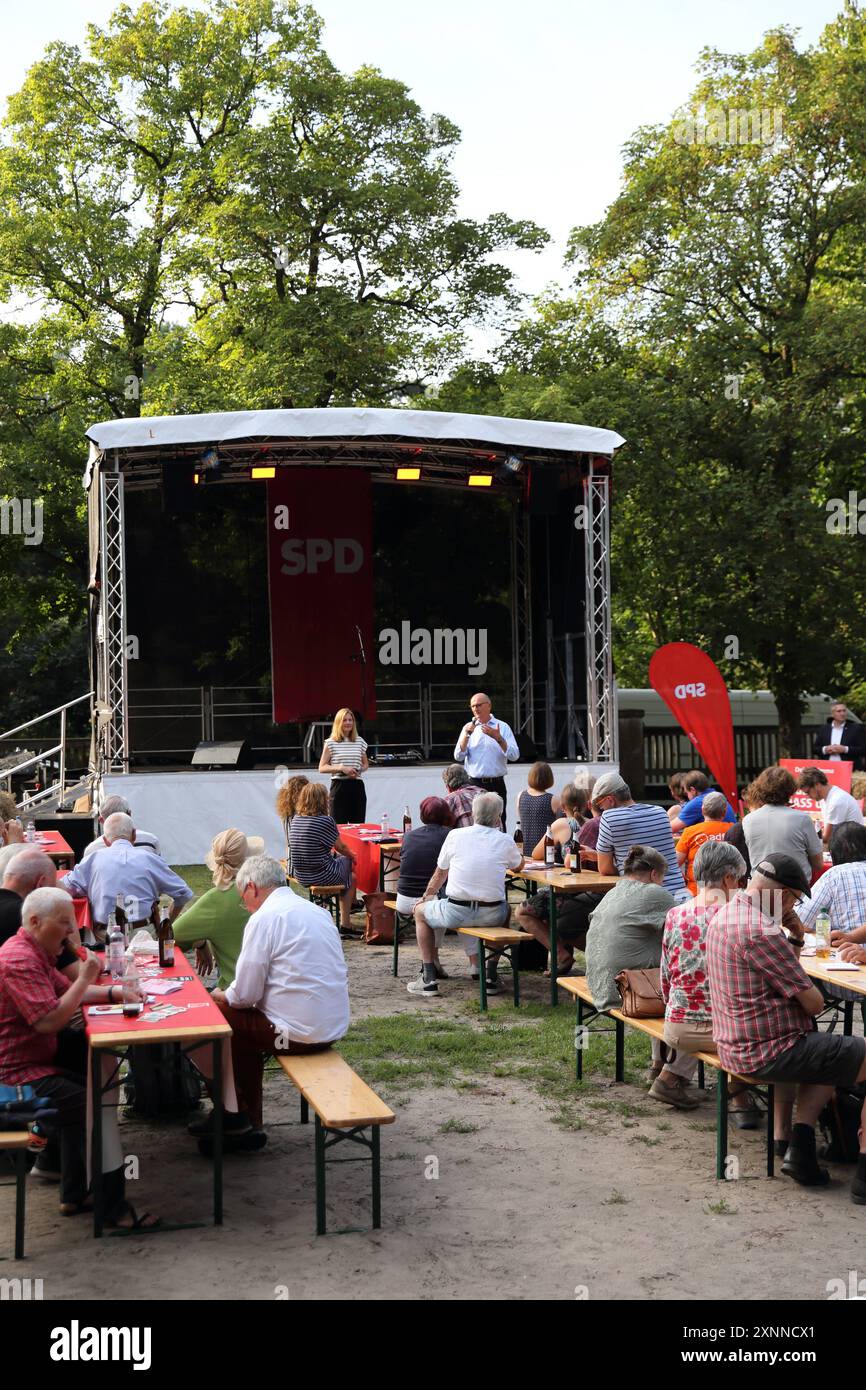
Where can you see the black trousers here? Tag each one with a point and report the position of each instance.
(347, 800)
(67, 1143)
(494, 784)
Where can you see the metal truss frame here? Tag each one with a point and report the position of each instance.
(600, 692)
(521, 622)
(112, 688)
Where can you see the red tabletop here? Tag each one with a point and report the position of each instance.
(200, 1016)
(83, 919)
(368, 855)
(55, 846)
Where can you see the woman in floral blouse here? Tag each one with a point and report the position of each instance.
(685, 988)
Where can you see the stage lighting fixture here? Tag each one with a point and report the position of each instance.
(408, 475)
(210, 465)
(480, 479)
(512, 463)
(264, 472)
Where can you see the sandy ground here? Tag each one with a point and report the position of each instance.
(521, 1207)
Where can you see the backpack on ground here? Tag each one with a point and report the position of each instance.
(838, 1124)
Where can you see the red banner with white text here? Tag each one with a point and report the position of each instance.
(693, 689)
(320, 570)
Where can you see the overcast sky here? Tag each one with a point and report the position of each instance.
(545, 93)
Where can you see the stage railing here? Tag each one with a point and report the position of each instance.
(48, 759)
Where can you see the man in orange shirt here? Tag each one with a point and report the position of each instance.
(712, 827)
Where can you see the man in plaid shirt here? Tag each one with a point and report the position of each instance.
(763, 1009)
(460, 794)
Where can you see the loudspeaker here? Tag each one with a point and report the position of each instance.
(222, 753)
(179, 492)
(544, 491)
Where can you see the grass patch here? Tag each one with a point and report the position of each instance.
(721, 1208)
(616, 1199)
(458, 1127)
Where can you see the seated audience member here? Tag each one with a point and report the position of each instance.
(419, 853)
(111, 806)
(678, 792)
(319, 856)
(696, 785)
(537, 807)
(217, 920)
(474, 861)
(37, 1048)
(841, 891)
(290, 993)
(573, 803)
(8, 853)
(287, 808)
(688, 1006)
(626, 927)
(735, 834)
(764, 1007)
(625, 823)
(587, 836)
(712, 827)
(8, 807)
(777, 828)
(120, 868)
(11, 829)
(460, 794)
(837, 806)
(573, 909)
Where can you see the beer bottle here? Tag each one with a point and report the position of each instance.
(407, 820)
(549, 850)
(573, 856)
(165, 938)
(518, 834)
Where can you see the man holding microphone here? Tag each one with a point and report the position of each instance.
(486, 746)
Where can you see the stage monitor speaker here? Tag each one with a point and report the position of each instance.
(224, 754)
(179, 491)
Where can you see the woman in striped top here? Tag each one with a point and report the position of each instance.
(319, 856)
(287, 806)
(345, 757)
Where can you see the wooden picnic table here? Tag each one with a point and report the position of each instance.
(54, 845)
(374, 858)
(111, 1035)
(855, 980)
(561, 880)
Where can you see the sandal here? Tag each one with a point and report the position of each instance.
(141, 1225)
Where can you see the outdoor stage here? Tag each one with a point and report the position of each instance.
(187, 809)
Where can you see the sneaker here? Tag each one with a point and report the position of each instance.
(858, 1191)
(675, 1095)
(493, 984)
(426, 988)
(234, 1124)
(440, 973)
(45, 1173)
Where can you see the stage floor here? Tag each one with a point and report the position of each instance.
(187, 809)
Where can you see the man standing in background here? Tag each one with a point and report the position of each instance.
(486, 746)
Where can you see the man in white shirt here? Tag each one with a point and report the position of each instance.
(110, 807)
(291, 987)
(486, 746)
(474, 861)
(837, 805)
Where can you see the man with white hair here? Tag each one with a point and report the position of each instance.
(29, 869)
(110, 807)
(37, 1004)
(473, 860)
(763, 1011)
(290, 992)
(141, 879)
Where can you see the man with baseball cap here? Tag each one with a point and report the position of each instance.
(764, 1007)
(626, 823)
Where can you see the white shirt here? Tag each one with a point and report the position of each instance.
(836, 732)
(483, 756)
(292, 967)
(142, 837)
(475, 859)
(838, 806)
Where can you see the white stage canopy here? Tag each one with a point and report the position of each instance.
(156, 431)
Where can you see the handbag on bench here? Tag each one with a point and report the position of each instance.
(641, 993)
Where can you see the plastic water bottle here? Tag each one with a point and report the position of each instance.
(131, 993)
(385, 823)
(116, 949)
(30, 833)
(822, 936)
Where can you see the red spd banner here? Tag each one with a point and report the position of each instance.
(839, 774)
(320, 572)
(692, 687)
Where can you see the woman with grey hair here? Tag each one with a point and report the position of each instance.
(718, 867)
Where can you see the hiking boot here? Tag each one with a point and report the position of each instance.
(674, 1094)
(492, 984)
(803, 1166)
(233, 1123)
(428, 989)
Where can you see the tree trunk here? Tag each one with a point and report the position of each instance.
(790, 722)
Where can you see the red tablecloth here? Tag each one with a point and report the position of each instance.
(204, 1014)
(368, 855)
(81, 905)
(54, 845)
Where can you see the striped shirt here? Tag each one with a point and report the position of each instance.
(347, 752)
(312, 838)
(626, 826)
(841, 891)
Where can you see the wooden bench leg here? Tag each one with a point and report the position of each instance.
(305, 1111)
(702, 1086)
(515, 974)
(482, 976)
(721, 1125)
(377, 1178)
(619, 1044)
(320, 1178)
(20, 1191)
(579, 1039)
(396, 943)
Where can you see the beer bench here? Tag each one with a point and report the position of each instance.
(17, 1142)
(324, 895)
(401, 923)
(345, 1108)
(506, 942)
(577, 986)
